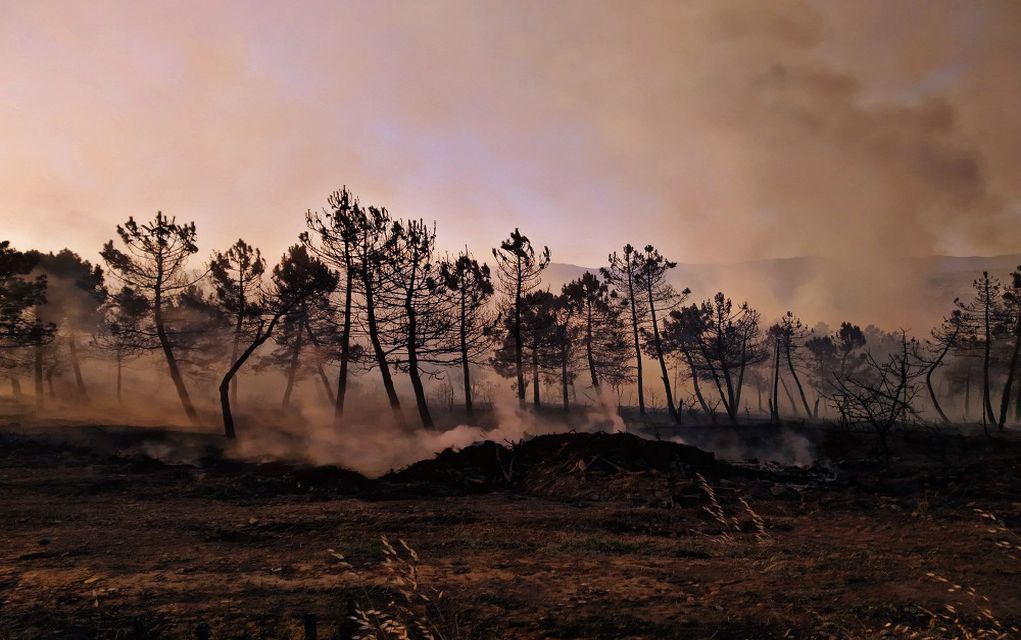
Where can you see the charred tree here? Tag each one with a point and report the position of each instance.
(472, 287)
(153, 263)
(236, 276)
(621, 274)
(294, 280)
(660, 298)
(336, 235)
(519, 271)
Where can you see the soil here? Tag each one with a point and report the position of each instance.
(562, 536)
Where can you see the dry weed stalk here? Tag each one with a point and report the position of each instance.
(949, 623)
(1006, 540)
(421, 613)
(761, 535)
(729, 523)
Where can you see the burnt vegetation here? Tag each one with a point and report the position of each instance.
(367, 318)
(367, 298)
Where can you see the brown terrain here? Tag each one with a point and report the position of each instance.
(562, 536)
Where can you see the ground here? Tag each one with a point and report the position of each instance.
(104, 543)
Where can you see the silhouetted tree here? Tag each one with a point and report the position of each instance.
(472, 286)
(882, 395)
(600, 332)
(850, 342)
(375, 237)
(565, 333)
(622, 275)
(295, 333)
(20, 297)
(421, 316)
(124, 331)
(681, 335)
(660, 297)
(519, 272)
(983, 311)
(20, 323)
(294, 280)
(536, 325)
(1011, 311)
(824, 363)
(337, 236)
(945, 338)
(236, 275)
(200, 332)
(153, 264)
(74, 294)
(722, 343)
(792, 334)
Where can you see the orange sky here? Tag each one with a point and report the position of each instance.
(721, 131)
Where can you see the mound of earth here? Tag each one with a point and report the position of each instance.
(569, 465)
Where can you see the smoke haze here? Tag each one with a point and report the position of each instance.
(864, 132)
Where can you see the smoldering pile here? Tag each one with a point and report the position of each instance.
(588, 466)
(583, 466)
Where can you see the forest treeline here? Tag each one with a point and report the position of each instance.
(362, 292)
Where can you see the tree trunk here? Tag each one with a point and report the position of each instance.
(933, 398)
(928, 381)
(589, 356)
(38, 371)
(234, 356)
(790, 397)
(465, 369)
(420, 399)
(327, 387)
(1017, 405)
(564, 377)
(15, 386)
(987, 404)
(638, 345)
(412, 347)
(725, 398)
(697, 388)
(345, 344)
(323, 378)
(168, 353)
(535, 372)
(120, 366)
(662, 360)
(519, 362)
(797, 381)
(228, 416)
(1005, 401)
(292, 368)
(774, 404)
(377, 348)
(77, 367)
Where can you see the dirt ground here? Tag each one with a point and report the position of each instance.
(104, 543)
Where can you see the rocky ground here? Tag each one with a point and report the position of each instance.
(562, 536)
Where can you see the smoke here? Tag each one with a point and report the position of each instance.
(864, 132)
(371, 441)
(782, 446)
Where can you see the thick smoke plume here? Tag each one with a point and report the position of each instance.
(725, 131)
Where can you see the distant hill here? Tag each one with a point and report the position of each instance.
(907, 292)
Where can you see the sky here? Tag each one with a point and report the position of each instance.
(721, 131)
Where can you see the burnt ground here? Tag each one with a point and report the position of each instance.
(566, 536)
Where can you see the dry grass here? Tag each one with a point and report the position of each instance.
(1008, 541)
(730, 524)
(420, 612)
(968, 617)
